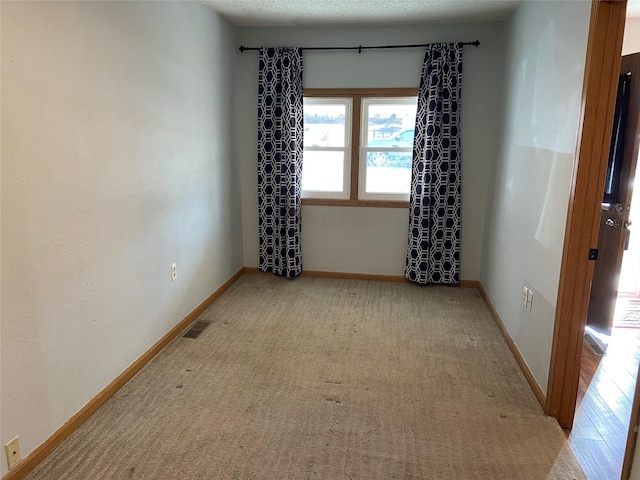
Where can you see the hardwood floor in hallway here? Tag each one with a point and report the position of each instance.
(605, 397)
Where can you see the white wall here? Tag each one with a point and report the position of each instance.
(526, 214)
(631, 43)
(117, 161)
(373, 240)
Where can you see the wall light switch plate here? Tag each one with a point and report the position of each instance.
(13, 452)
(525, 296)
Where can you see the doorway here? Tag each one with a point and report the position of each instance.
(607, 383)
(611, 347)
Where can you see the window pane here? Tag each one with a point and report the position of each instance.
(323, 171)
(388, 172)
(390, 125)
(324, 125)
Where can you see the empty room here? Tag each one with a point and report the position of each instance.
(284, 240)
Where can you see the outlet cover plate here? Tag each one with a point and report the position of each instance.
(174, 272)
(13, 452)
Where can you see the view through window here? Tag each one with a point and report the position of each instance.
(358, 146)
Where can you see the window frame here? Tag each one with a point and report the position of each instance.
(354, 178)
(345, 194)
(366, 102)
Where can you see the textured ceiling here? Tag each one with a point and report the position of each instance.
(255, 13)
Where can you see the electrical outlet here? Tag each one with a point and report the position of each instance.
(13, 452)
(525, 296)
(174, 272)
(530, 300)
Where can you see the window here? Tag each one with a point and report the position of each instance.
(387, 148)
(327, 147)
(358, 146)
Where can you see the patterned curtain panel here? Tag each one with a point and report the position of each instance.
(280, 130)
(433, 252)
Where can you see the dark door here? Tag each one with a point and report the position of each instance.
(614, 217)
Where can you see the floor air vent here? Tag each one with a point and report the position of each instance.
(196, 330)
(594, 344)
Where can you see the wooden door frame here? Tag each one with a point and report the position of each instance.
(602, 68)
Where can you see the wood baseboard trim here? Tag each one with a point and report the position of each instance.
(34, 458)
(340, 275)
(537, 391)
(358, 276)
(353, 276)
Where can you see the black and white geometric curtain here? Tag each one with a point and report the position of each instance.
(433, 252)
(280, 131)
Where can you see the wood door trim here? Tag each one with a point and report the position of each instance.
(604, 49)
(632, 435)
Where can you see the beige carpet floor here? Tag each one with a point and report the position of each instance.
(325, 379)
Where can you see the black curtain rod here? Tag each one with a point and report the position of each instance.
(360, 47)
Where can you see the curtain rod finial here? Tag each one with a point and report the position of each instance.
(243, 48)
